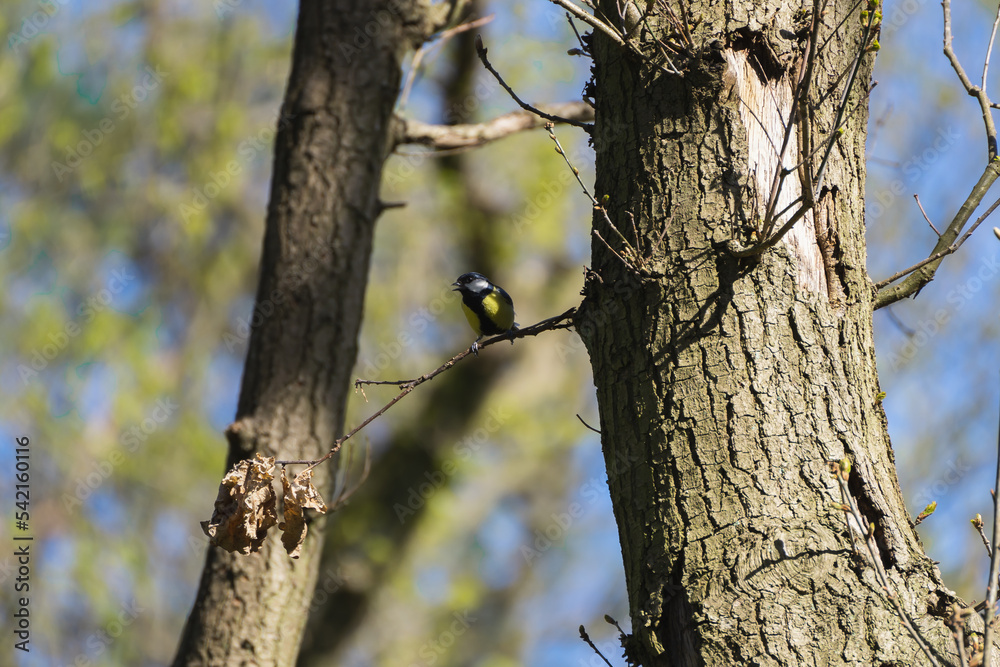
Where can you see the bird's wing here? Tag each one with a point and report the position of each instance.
(506, 297)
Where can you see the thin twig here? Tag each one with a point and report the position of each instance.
(957, 623)
(922, 211)
(989, 49)
(365, 471)
(583, 47)
(439, 40)
(562, 321)
(576, 172)
(991, 589)
(976, 91)
(590, 19)
(777, 236)
(978, 524)
(799, 99)
(632, 252)
(616, 254)
(481, 51)
(848, 15)
(850, 507)
(821, 172)
(411, 76)
(585, 637)
(588, 425)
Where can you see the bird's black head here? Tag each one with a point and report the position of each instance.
(473, 283)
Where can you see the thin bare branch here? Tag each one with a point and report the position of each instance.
(991, 588)
(585, 637)
(579, 39)
(957, 623)
(976, 91)
(845, 98)
(989, 49)
(938, 255)
(947, 251)
(438, 41)
(597, 431)
(978, 524)
(590, 19)
(481, 51)
(851, 508)
(777, 236)
(924, 213)
(563, 321)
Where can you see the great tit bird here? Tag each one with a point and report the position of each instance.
(488, 307)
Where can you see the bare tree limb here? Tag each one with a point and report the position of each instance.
(448, 137)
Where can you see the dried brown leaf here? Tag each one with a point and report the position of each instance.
(299, 494)
(245, 507)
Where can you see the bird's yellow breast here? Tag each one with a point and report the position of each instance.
(498, 310)
(491, 315)
(473, 319)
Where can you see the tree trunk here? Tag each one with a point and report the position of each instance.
(726, 385)
(329, 151)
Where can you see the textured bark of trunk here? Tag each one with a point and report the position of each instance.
(726, 385)
(324, 201)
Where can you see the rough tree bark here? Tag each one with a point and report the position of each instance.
(329, 150)
(725, 385)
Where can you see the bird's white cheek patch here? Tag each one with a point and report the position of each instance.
(479, 285)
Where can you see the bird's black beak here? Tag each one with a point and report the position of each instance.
(456, 286)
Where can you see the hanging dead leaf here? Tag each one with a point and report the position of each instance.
(244, 508)
(299, 494)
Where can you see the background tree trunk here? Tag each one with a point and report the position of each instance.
(329, 151)
(383, 504)
(725, 385)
